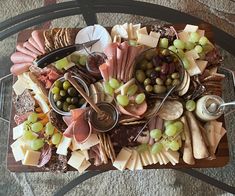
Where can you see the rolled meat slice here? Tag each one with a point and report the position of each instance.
(18, 69)
(111, 52)
(37, 35)
(69, 132)
(35, 45)
(19, 57)
(124, 47)
(81, 129)
(104, 70)
(30, 47)
(21, 48)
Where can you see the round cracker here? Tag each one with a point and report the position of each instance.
(171, 110)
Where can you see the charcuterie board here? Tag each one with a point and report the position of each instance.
(222, 152)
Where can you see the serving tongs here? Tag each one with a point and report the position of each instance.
(60, 53)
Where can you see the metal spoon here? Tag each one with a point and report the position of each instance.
(213, 108)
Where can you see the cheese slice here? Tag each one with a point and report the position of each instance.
(142, 31)
(69, 65)
(192, 54)
(76, 159)
(85, 164)
(63, 145)
(138, 164)
(154, 34)
(159, 159)
(42, 103)
(20, 86)
(154, 158)
(18, 131)
(193, 68)
(184, 36)
(164, 158)
(147, 40)
(190, 28)
(119, 30)
(144, 159)
(91, 141)
(149, 157)
(85, 153)
(132, 161)
(18, 153)
(173, 156)
(201, 64)
(122, 159)
(24, 144)
(31, 158)
(201, 32)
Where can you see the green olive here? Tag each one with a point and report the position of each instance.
(140, 75)
(71, 107)
(147, 81)
(65, 106)
(56, 97)
(175, 75)
(72, 91)
(149, 54)
(68, 99)
(59, 104)
(176, 82)
(168, 81)
(149, 88)
(148, 72)
(63, 93)
(159, 81)
(66, 85)
(149, 65)
(158, 68)
(74, 100)
(159, 89)
(143, 64)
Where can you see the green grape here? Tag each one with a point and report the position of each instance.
(37, 126)
(156, 134)
(33, 117)
(60, 64)
(132, 90)
(189, 45)
(203, 41)
(108, 89)
(142, 148)
(168, 122)
(66, 85)
(179, 126)
(190, 105)
(163, 43)
(55, 139)
(37, 144)
(55, 90)
(140, 98)
(198, 49)
(172, 48)
(26, 125)
(123, 100)
(186, 63)
(114, 83)
(174, 145)
(194, 37)
(179, 44)
(180, 53)
(82, 60)
(29, 135)
(170, 130)
(156, 148)
(49, 129)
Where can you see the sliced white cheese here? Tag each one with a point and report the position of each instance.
(142, 31)
(85, 164)
(201, 64)
(136, 27)
(192, 54)
(20, 86)
(18, 131)
(173, 156)
(201, 32)
(63, 145)
(184, 36)
(76, 159)
(154, 34)
(91, 141)
(154, 158)
(74, 145)
(85, 153)
(24, 144)
(190, 28)
(147, 40)
(69, 65)
(149, 157)
(144, 159)
(164, 158)
(193, 68)
(138, 164)
(132, 161)
(159, 159)
(18, 153)
(31, 158)
(119, 30)
(42, 103)
(122, 159)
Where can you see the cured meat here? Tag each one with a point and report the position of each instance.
(95, 154)
(45, 155)
(57, 121)
(24, 50)
(19, 57)
(48, 77)
(35, 45)
(37, 35)
(69, 132)
(111, 53)
(135, 110)
(104, 70)
(21, 118)
(20, 68)
(109, 63)
(119, 62)
(30, 47)
(124, 47)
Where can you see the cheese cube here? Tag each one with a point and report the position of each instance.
(201, 64)
(76, 159)
(142, 31)
(91, 141)
(184, 36)
(122, 159)
(138, 164)
(192, 54)
(18, 131)
(147, 40)
(18, 153)
(63, 145)
(201, 32)
(190, 28)
(154, 34)
(131, 162)
(31, 158)
(21, 142)
(42, 103)
(136, 27)
(19, 87)
(193, 68)
(85, 153)
(85, 164)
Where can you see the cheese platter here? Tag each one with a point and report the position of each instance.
(126, 71)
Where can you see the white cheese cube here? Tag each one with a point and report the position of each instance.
(76, 159)
(142, 31)
(184, 36)
(63, 145)
(147, 40)
(201, 64)
(31, 158)
(154, 34)
(18, 131)
(190, 28)
(193, 68)
(85, 164)
(91, 141)
(138, 164)
(122, 159)
(131, 162)
(192, 54)
(85, 153)
(18, 153)
(19, 87)
(42, 103)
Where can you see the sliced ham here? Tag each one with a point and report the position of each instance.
(69, 132)
(109, 63)
(37, 35)
(76, 113)
(30, 47)
(20, 68)
(124, 47)
(104, 70)
(21, 48)
(19, 57)
(35, 45)
(81, 129)
(111, 53)
(119, 62)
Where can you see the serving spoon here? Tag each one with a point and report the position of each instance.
(213, 108)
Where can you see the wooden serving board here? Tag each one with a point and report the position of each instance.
(222, 153)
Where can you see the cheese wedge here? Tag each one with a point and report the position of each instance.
(18, 153)
(119, 30)
(18, 131)
(192, 54)
(184, 36)
(91, 141)
(24, 144)
(149, 157)
(138, 164)
(154, 34)
(85, 164)
(132, 161)
(63, 145)
(31, 158)
(42, 103)
(142, 31)
(144, 159)
(193, 69)
(201, 64)
(190, 28)
(154, 158)
(164, 158)
(172, 156)
(159, 159)
(147, 40)
(76, 159)
(85, 153)
(122, 159)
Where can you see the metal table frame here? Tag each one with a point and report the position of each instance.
(88, 9)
